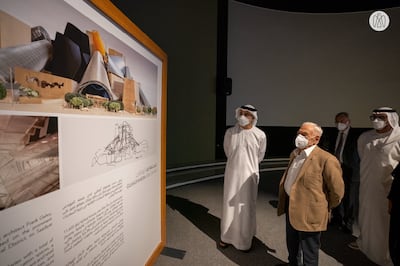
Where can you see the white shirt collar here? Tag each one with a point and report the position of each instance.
(346, 131)
(307, 151)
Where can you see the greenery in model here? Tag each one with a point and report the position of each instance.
(114, 106)
(24, 91)
(77, 100)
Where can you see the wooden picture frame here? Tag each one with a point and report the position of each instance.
(133, 38)
(118, 17)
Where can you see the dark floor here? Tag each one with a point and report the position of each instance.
(193, 216)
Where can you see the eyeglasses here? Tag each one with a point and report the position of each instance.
(245, 113)
(378, 117)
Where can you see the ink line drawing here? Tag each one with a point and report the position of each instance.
(122, 147)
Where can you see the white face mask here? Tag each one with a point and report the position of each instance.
(301, 142)
(378, 124)
(341, 126)
(243, 120)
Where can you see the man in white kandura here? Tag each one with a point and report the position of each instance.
(379, 151)
(244, 146)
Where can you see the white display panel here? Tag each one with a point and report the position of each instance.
(297, 67)
(89, 189)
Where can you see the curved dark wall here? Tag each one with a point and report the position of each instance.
(194, 36)
(187, 32)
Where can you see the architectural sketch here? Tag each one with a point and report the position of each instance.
(122, 147)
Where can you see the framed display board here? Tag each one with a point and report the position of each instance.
(82, 136)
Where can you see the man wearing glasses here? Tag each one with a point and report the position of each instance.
(379, 151)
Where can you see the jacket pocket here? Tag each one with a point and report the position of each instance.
(316, 214)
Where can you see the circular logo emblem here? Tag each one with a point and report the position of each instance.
(379, 21)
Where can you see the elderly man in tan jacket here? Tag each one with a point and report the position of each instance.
(310, 187)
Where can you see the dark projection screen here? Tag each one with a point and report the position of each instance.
(297, 67)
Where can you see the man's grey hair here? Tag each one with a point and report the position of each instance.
(317, 128)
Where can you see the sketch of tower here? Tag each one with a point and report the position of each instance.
(122, 147)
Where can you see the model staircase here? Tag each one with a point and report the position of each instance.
(29, 165)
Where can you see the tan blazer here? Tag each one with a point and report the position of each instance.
(317, 189)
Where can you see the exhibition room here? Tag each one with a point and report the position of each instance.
(175, 132)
